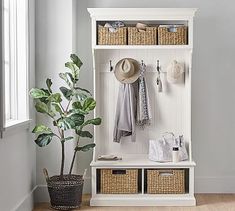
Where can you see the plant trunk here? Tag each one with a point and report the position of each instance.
(74, 156)
(62, 162)
(71, 167)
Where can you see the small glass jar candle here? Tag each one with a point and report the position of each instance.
(175, 154)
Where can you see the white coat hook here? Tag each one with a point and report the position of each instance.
(110, 66)
(143, 67)
(158, 66)
(159, 81)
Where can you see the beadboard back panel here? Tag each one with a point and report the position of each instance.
(170, 109)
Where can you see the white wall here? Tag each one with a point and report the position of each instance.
(18, 154)
(18, 173)
(54, 32)
(213, 75)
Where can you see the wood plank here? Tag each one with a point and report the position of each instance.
(205, 202)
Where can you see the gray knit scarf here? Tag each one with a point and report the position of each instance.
(143, 117)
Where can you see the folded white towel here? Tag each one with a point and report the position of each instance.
(109, 157)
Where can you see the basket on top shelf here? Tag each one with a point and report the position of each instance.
(106, 37)
(148, 36)
(119, 181)
(172, 35)
(165, 181)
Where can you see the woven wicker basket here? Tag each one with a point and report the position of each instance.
(105, 37)
(65, 194)
(172, 35)
(147, 37)
(119, 181)
(165, 181)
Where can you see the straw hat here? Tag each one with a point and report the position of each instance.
(127, 70)
(174, 72)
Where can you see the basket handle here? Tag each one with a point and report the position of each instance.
(165, 172)
(172, 29)
(45, 172)
(84, 174)
(119, 171)
(167, 134)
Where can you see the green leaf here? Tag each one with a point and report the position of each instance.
(77, 108)
(78, 119)
(65, 123)
(38, 93)
(58, 108)
(84, 90)
(71, 122)
(80, 96)
(46, 90)
(41, 129)
(44, 108)
(76, 60)
(71, 66)
(45, 99)
(66, 92)
(44, 139)
(41, 107)
(77, 105)
(55, 98)
(49, 83)
(89, 104)
(85, 148)
(74, 69)
(67, 79)
(96, 121)
(69, 75)
(78, 111)
(51, 113)
(86, 134)
(67, 139)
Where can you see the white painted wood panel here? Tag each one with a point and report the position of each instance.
(169, 110)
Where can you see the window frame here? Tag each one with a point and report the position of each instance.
(2, 76)
(16, 94)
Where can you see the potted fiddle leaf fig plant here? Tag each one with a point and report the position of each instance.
(68, 111)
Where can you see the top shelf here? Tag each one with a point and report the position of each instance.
(142, 47)
(144, 13)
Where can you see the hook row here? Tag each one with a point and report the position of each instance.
(142, 63)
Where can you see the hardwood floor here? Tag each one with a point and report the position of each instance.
(205, 202)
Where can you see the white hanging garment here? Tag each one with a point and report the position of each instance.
(175, 71)
(124, 124)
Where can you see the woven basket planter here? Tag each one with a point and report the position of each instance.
(165, 181)
(119, 181)
(65, 194)
(146, 37)
(172, 35)
(105, 37)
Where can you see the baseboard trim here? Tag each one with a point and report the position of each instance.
(41, 194)
(27, 203)
(202, 185)
(143, 201)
